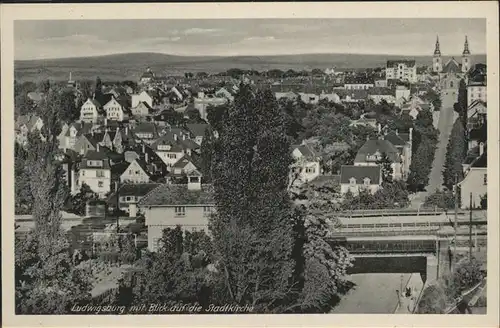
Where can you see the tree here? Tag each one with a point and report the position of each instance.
(386, 167)
(168, 276)
(326, 263)
(216, 116)
(456, 151)
(23, 104)
(44, 86)
(207, 149)
(98, 88)
(253, 228)
(484, 202)
(69, 112)
(47, 282)
(194, 115)
(433, 300)
(23, 196)
(462, 102)
(77, 203)
(440, 199)
(420, 167)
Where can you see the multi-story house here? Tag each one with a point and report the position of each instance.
(358, 83)
(354, 178)
(403, 70)
(129, 195)
(143, 97)
(89, 113)
(136, 172)
(143, 109)
(477, 86)
(147, 77)
(146, 132)
(475, 181)
(372, 152)
(306, 165)
(168, 149)
(95, 171)
(169, 205)
(115, 110)
(203, 101)
(403, 143)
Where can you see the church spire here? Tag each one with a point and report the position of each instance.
(466, 47)
(437, 52)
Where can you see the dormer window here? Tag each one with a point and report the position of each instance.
(352, 181)
(164, 147)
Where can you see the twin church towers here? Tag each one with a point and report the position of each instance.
(437, 61)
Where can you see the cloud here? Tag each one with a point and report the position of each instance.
(259, 39)
(196, 31)
(75, 38)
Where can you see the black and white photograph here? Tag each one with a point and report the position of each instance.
(212, 166)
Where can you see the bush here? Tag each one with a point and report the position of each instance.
(318, 289)
(440, 199)
(433, 300)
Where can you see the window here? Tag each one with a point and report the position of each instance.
(100, 174)
(180, 211)
(83, 173)
(130, 172)
(172, 156)
(207, 210)
(485, 179)
(137, 172)
(128, 198)
(310, 170)
(100, 184)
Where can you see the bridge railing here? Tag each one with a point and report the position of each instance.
(407, 246)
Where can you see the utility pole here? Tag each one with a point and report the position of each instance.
(470, 227)
(118, 214)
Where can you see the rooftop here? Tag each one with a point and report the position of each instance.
(178, 194)
(360, 173)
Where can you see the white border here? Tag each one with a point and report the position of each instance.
(434, 9)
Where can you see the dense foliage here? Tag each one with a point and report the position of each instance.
(456, 151)
(253, 228)
(425, 138)
(441, 200)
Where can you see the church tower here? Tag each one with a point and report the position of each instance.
(466, 57)
(437, 61)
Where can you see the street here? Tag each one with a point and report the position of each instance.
(447, 117)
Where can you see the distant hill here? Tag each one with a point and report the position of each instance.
(130, 66)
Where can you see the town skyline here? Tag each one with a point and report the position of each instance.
(246, 37)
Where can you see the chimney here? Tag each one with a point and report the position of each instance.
(411, 135)
(481, 148)
(92, 132)
(146, 158)
(175, 137)
(106, 122)
(126, 130)
(397, 132)
(97, 148)
(143, 148)
(183, 137)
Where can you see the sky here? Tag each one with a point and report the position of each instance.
(241, 37)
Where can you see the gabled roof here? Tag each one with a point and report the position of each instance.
(372, 146)
(94, 102)
(306, 150)
(395, 139)
(183, 162)
(360, 173)
(178, 194)
(198, 130)
(189, 144)
(136, 189)
(167, 139)
(452, 66)
(481, 161)
(145, 127)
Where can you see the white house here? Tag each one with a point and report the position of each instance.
(372, 152)
(190, 208)
(355, 178)
(404, 70)
(168, 149)
(306, 166)
(95, 171)
(142, 97)
(475, 182)
(89, 112)
(136, 172)
(115, 110)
